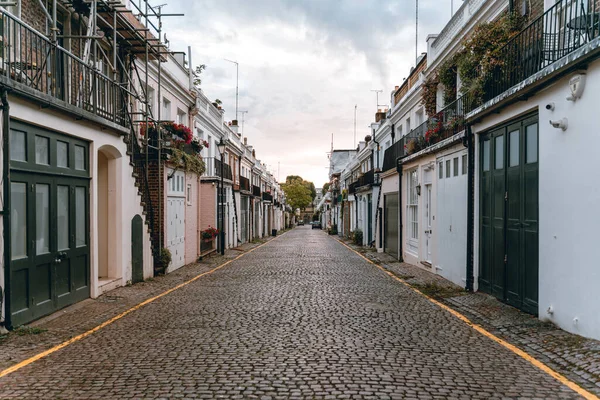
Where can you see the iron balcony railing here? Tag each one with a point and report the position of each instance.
(30, 58)
(446, 123)
(244, 184)
(213, 168)
(562, 29)
(366, 179)
(352, 187)
(256, 191)
(267, 196)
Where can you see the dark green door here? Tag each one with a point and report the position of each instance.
(509, 214)
(49, 223)
(137, 249)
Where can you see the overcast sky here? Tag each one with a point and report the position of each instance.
(304, 64)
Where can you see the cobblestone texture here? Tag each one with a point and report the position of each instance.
(301, 317)
(576, 357)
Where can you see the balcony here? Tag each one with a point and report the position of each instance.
(213, 169)
(266, 196)
(244, 184)
(37, 68)
(443, 125)
(255, 191)
(560, 31)
(352, 187)
(366, 179)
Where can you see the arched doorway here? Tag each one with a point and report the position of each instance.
(109, 215)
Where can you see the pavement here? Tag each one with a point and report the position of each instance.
(301, 317)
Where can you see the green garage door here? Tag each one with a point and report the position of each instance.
(509, 214)
(49, 222)
(390, 226)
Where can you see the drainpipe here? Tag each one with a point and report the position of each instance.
(378, 213)
(399, 170)
(511, 6)
(6, 211)
(470, 209)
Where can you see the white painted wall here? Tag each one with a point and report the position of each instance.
(568, 203)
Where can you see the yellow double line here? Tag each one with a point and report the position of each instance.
(536, 363)
(77, 338)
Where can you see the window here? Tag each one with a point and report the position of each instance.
(486, 155)
(42, 150)
(499, 149)
(513, 148)
(181, 117)
(62, 154)
(151, 97)
(188, 194)
(464, 164)
(455, 166)
(413, 207)
(18, 145)
(80, 158)
(166, 111)
(447, 168)
(441, 170)
(531, 142)
(407, 124)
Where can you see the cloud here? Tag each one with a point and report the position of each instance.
(303, 67)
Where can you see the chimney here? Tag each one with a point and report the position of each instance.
(396, 87)
(234, 122)
(379, 115)
(430, 41)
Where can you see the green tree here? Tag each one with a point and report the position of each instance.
(297, 194)
(309, 185)
(325, 188)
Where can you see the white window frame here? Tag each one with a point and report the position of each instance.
(166, 105)
(412, 205)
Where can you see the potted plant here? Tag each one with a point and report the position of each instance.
(209, 234)
(162, 261)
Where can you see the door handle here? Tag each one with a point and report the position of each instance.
(57, 260)
(62, 255)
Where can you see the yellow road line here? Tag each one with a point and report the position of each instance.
(77, 338)
(536, 363)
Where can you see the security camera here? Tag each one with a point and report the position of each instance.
(560, 124)
(550, 106)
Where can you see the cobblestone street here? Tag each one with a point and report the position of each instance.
(300, 317)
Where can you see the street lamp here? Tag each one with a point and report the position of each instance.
(221, 196)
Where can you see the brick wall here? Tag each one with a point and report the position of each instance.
(154, 182)
(208, 205)
(537, 9)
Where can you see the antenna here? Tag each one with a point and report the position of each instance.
(377, 91)
(355, 107)
(416, 31)
(243, 112)
(237, 80)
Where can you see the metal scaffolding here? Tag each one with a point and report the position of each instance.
(117, 48)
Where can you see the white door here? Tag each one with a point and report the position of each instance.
(176, 220)
(451, 217)
(428, 223)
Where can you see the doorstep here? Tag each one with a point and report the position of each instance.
(571, 355)
(108, 284)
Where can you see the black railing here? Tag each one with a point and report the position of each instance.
(226, 170)
(392, 153)
(366, 179)
(244, 184)
(352, 187)
(267, 196)
(562, 29)
(30, 58)
(256, 191)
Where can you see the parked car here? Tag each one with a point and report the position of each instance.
(316, 225)
(301, 222)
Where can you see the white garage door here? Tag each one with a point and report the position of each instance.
(451, 216)
(176, 220)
